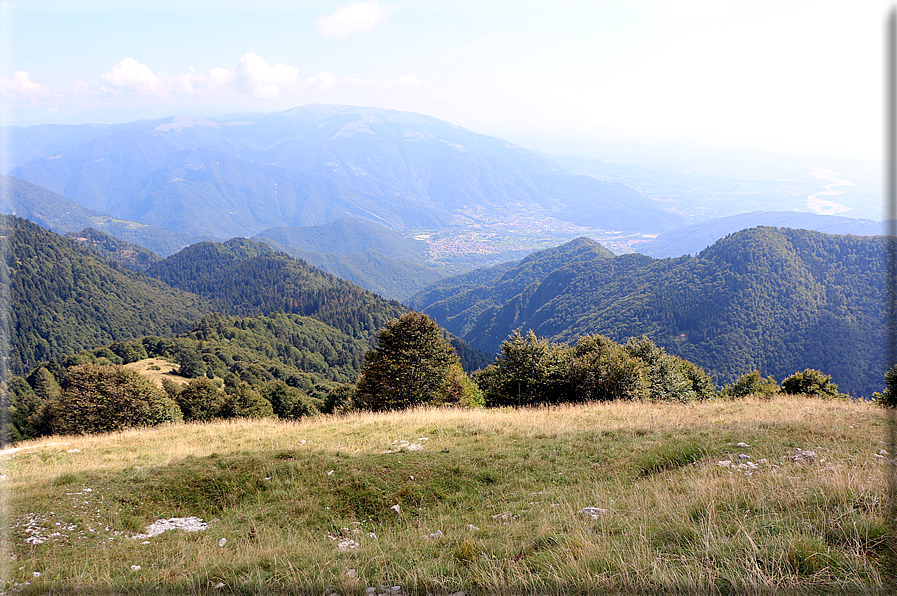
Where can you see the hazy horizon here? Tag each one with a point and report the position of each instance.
(801, 78)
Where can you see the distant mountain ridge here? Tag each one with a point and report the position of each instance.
(694, 238)
(62, 215)
(307, 166)
(775, 299)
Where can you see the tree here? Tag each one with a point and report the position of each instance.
(107, 399)
(810, 382)
(888, 397)
(528, 371)
(408, 367)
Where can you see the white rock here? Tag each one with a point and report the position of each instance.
(330, 472)
(219, 585)
(370, 590)
(222, 542)
(352, 573)
(135, 568)
(74, 451)
(396, 508)
(726, 463)
(594, 512)
(37, 573)
(188, 524)
(346, 545)
(744, 456)
(742, 445)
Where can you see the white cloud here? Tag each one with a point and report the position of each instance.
(360, 17)
(21, 85)
(131, 77)
(260, 79)
(323, 80)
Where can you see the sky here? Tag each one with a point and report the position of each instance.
(800, 76)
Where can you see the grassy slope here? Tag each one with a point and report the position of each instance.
(267, 488)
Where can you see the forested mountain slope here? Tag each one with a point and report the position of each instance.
(63, 298)
(775, 299)
(61, 215)
(247, 278)
(458, 302)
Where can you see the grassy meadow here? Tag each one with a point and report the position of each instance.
(488, 501)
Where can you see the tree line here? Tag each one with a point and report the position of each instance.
(413, 364)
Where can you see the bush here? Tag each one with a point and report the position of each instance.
(603, 370)
(106, 399)
(340, 399)
(287, 402)
(751, 384)
(810, 382)
(246, 402)
(459, 390)
(190, 363)
(669, 377)
(529, 371)
(199, 400)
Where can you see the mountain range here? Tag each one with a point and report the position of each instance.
(240, 175)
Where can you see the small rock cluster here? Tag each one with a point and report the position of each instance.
(188, 524)
(743, 463)
(416, 446)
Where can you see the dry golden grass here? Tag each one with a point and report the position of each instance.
(156, 369)
(672, 526)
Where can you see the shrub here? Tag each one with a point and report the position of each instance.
(603, 370)
(246, 402)
(751, 384)
(287, 402)
(670, 377)
(529, 371)
(108, 398)
(459, 390)
(200, 399)
(340, 399)
(810, 382)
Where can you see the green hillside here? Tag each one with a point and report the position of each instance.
(63, 298)
(247, 278)
(773, 299)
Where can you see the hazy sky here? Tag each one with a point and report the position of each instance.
(784, 75)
